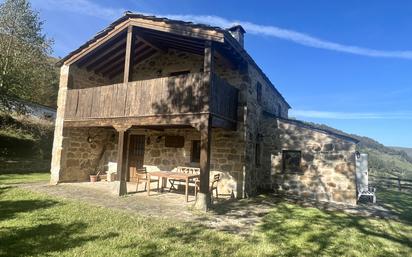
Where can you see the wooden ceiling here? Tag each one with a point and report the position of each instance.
(108, 59)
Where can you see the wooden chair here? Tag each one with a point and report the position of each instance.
(213, 187)
(141, 175)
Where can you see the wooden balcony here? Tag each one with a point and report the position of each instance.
(160, 97)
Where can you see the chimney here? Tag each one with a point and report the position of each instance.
(238, 33)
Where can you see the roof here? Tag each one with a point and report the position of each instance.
(228, 39)
(311, 127)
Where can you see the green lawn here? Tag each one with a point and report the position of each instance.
(23, 177)
(33, 224)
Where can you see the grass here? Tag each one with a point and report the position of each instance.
(34, 224)
(24, 177)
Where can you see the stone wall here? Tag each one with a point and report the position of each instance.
(256, 175)
(161, 65)
(82, 158)
(81, 78)
(327, 171)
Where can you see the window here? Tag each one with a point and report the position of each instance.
(174, 141)
(279, 110)
(178, 73)
(291, 161)
(259, 93)
(257, 155)
(195, 154)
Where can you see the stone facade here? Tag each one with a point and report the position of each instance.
(81, 78)
(327, 169)
(83, 158)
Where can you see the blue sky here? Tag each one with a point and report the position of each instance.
(346, 64)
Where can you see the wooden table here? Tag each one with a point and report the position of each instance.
(165, 175)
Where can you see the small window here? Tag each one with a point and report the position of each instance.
(279, 110)
(259, 93)
(178, 73)
(257, 155)
(291, 161)
(195, 154)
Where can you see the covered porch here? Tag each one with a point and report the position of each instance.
(118, 154)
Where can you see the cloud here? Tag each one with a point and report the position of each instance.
(407, 115)
(84, 7)
(88, 7)
(294, 36)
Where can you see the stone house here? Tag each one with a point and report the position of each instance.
(164, 93)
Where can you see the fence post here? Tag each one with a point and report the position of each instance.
(399, 184)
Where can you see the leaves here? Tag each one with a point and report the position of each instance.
(26, 71)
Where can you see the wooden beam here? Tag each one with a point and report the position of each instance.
(97, 43)
(114, 58)
(203, 200)
(128, 59)
(166, 119)
(122, 146)
(147, 42)
(177, 41)
(146, 52)
(170, 36)
(180, 30)
(218, 122)
(114, 47)
(116, 63)
(208, 69)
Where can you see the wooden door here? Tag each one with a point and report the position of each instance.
(136, 155)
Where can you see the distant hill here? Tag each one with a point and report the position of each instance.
(408, 151)
(383, 160)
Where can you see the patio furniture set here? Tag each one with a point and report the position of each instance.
(187, 176)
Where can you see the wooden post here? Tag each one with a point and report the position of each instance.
(128, 60)
(208, 69)
(122, 144)
(399, 184)
(205, 129)
(203, 197)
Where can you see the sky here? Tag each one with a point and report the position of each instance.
(346, 64)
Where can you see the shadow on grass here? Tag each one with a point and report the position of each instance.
(9, 209)
(29, 238)
(191, 239)
(310, 232)
(43, 239)
(399, 203)
(302, 231)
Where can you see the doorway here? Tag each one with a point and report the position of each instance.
(136, 155)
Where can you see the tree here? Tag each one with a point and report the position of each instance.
(26, 71)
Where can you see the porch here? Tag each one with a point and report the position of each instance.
(96, 150)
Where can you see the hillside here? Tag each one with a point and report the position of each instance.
(383, 160)
(408, 151)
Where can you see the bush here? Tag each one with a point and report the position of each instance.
(23, 137)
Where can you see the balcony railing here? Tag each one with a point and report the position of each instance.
(161, 96)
